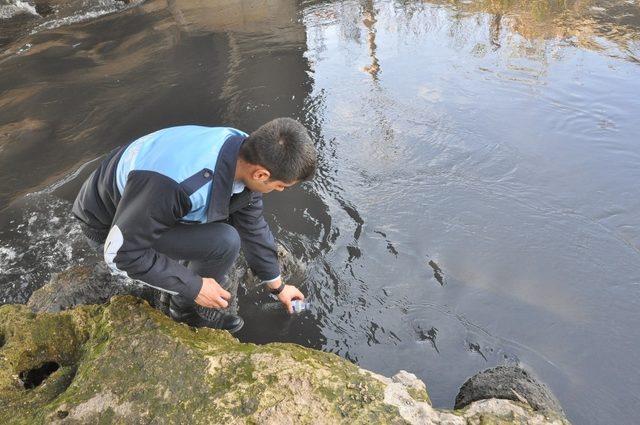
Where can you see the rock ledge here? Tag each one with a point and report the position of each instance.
(126, 362)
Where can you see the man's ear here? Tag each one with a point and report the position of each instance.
(261, 174)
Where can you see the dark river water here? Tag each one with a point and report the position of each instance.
(478, 197)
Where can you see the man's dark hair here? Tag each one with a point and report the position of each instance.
(283, 147)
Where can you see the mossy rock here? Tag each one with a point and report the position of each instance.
(125, 362)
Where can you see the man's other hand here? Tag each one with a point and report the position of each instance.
(288, 294)
(212, 295)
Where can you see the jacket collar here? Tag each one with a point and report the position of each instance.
(223, 176)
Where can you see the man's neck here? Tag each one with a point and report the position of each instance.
(241, 171)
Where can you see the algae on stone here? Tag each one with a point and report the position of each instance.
(125, 362)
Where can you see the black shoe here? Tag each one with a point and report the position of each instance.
(215, 319)
(162, 301)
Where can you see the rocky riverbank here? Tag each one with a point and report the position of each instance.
(82, 352)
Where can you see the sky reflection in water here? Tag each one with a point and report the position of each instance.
(498, 141)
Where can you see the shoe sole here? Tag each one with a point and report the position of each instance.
(236, 329)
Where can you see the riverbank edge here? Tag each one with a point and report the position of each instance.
(124, 361)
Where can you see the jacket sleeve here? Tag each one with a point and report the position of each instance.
(150, 205)
(258, 243)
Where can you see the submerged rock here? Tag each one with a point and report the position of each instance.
(126, 362)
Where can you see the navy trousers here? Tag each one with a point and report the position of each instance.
(208, 249)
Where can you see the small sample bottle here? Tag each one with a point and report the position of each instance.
(299, 306)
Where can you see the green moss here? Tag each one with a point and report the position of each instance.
(419, 395)
(487, 419)
(125, 361)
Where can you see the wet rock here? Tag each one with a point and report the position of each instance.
(44, 8)
(125, 362)
(509, 383)
(292, 269)
(87, 284)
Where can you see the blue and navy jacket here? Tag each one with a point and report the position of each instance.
(176, 175)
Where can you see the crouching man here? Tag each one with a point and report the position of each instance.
(194, 193)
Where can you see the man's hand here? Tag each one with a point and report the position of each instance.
(212, 295)
(288, 294)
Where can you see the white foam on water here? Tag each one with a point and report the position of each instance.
(95, 10)
(73, 19)
(45, 240)
(7, 255)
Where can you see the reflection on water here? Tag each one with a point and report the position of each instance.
(476, 200)
(591, 24)
(476, 137)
